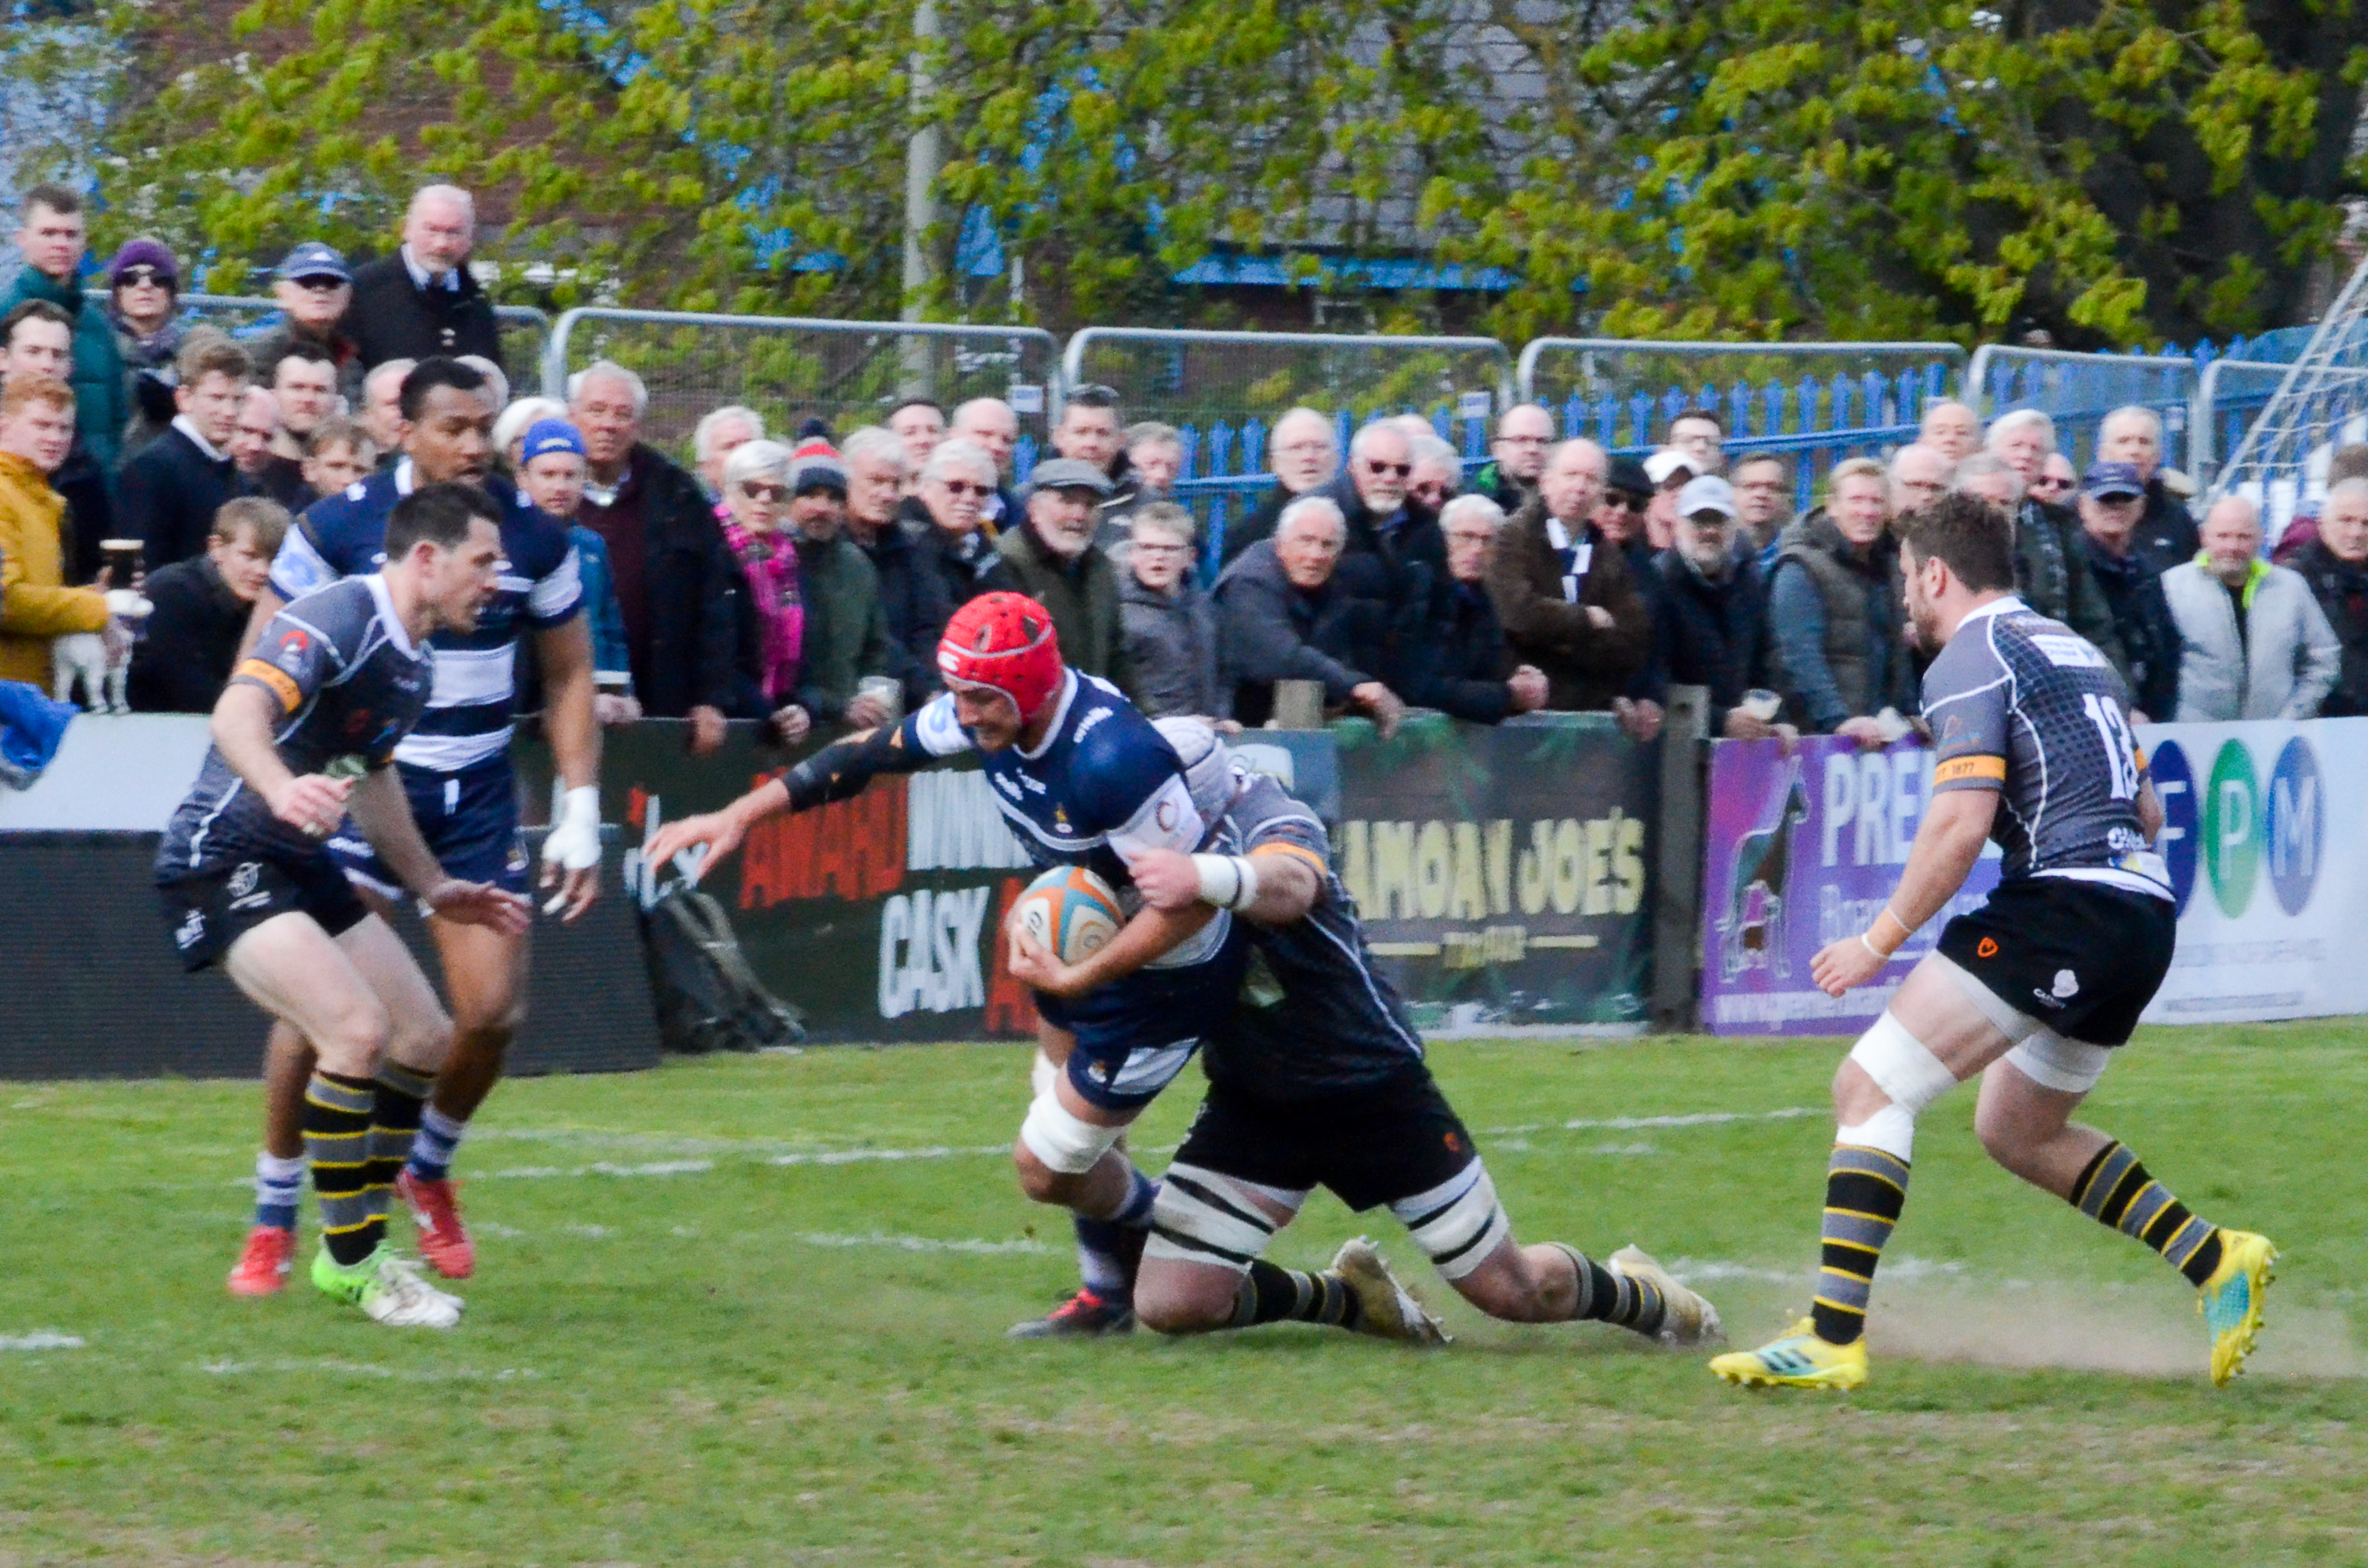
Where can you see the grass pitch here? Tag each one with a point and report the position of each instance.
(749, 1311)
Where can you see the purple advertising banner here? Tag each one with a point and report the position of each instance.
(1803, 850)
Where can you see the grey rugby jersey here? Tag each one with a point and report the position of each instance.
(2025, 706)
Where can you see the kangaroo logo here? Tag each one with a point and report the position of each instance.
(1752, 930)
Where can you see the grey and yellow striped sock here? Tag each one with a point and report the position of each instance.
(1616, 1299)
(1271, 1294)
(394, 1121)
(2116, 1191)
(1865, 1189)
(337, 1141)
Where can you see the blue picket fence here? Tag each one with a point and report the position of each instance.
(1813, 424)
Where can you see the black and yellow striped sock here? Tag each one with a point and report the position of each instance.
(1270, 1293)
(1616, 1299)
(337, 1141)
(2116, 1191)
(1865, 1189)
(394, 1121)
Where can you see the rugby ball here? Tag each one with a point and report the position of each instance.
(1068, 910)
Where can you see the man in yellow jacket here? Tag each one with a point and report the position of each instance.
(37, 416)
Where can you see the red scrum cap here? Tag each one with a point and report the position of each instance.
(1004, 640)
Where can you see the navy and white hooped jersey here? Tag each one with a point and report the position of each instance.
(1316, 1017)
(1103, 787)
(349, 684)
(471, 711)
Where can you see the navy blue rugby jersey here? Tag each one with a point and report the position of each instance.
(1103, 787)
(470, 712)
(349, 685)
(2026, 706)
(1317, 1016)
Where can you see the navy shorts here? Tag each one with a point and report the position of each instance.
(1134, 1036)
(470, 821)
(207, 911)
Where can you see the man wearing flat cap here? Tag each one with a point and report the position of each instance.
(1051, 553)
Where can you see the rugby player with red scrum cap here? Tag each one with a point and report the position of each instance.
(1084, 780)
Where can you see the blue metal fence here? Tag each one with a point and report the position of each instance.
(1813, 423)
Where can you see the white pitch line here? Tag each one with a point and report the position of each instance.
(1690, 1271)
(1634, 1123)
(41, 1339)
(975, 1245)
(286, 1364)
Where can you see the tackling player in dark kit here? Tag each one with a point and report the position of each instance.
(306, 733)
(1084, 780)
(2034, 990)
(455, 767)
(1316, 1078)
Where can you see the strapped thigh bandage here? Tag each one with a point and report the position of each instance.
(1061, 1139)
(2009, 1021)
(1458, 1223)
(1203, 1216)
(2071, 1066)
(1901, 1065)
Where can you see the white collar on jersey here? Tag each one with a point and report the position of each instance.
(395, 633)
(2007, 605)
(1060, 713)
(405, 481)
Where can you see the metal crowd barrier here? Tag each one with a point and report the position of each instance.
(793, 367)
(2077, 391)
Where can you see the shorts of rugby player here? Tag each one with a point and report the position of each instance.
(1129, 1039)
(1318, 1078)
(470, 819)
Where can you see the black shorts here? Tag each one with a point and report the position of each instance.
(2082, 958)
(1371, 1146)
(208, 911)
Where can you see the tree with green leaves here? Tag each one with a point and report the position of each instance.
(2109, 170)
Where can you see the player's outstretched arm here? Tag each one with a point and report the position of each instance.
(383, 813)
(1956, 825)
(838, 772)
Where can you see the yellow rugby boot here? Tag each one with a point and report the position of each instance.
(1798, 1360)
(2230, 1301)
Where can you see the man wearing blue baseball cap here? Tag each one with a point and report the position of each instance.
(312, 287)
(2113, 498)
(551, 468)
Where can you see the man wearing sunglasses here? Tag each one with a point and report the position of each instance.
(313, 288)
(1393, 558)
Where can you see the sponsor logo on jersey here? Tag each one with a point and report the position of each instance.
(243, 879)
(2068, 652)
(192, 926)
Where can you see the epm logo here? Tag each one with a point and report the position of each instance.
(2239, 825)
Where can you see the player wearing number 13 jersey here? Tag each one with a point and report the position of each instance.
(2034, 990)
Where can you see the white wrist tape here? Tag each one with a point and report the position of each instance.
(1229, 881)
(575, 840)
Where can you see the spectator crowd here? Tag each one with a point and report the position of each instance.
(801, 579)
